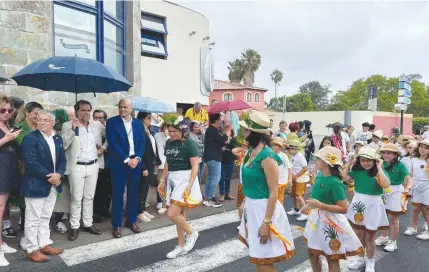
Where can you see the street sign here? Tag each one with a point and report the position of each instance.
(405, 78)
(404, 100)
(404, 85)
(406, 93)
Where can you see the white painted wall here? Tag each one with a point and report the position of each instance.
(176, 79)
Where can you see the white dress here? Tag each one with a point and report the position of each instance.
(420, 194)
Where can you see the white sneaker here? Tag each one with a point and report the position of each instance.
(369, 265)
(177, 251)
(238, 227)
(3, 261)
(410, 231)
(190, 241)
(425, 226)
(382, 240)
(148, 215)
(143, 217)
(61, 227)
(423, 236)
(293, 212)
(159, 206)
(147, 205)
(308, 185)
(207, 203)
(302, 217)
(391, 246)
(162, 210)
(7, 249)
(356, 263)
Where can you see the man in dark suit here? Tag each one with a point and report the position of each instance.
(45, 164)
(126, 141)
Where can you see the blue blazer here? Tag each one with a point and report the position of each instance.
(38, 164)
(117, 141)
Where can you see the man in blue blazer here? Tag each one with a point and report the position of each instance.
(126, 141)
(45, 164)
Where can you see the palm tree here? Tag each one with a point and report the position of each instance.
(251, 62)
(276, 77)
(236, 71)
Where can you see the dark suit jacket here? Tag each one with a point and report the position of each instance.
(118, 145)
(150, 158)
(38, 164)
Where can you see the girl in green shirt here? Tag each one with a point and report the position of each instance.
(328, 232)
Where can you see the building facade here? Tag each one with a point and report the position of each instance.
(224, 91)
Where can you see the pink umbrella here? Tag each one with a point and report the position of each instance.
(235, 104)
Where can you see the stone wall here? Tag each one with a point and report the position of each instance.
(26, 31)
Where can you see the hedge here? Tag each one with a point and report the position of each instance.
(419, 123)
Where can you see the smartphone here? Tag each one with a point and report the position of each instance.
(16, 128)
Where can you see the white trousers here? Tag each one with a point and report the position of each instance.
(38, 213)
(83, 181)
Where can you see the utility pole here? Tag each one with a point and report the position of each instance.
(275, 95)
(404, 97)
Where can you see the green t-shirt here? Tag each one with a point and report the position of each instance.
(397, 173)
(255, 184)
(179, 152)
(328, 190)
(364, 184)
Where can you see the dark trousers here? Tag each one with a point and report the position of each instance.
(144, 185)
(225, 178)
(123, 176)
(103, 193)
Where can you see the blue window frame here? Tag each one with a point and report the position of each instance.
(91, 29)
(153, 36)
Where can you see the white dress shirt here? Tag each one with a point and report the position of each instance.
(51, 144)
(129, 131)
(88, 148)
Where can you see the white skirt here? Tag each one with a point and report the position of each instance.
(275, 250)
(177, 182)
(330, 234)
(396, 202)
(420, 193)
(367, 212)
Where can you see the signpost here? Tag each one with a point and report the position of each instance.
(404, 97)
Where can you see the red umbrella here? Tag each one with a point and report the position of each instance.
(231, 105)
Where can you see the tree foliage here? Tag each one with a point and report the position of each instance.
(251, 62)
(236, 71)
(297, 102)
(276, 76)
(319, 94)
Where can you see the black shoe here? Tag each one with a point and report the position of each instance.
(73, 234)
(214, 203)
(93, 230)
(117, 233)
(9, 233)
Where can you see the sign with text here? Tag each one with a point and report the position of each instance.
(404, 100)
(403, 92)
(404, 85)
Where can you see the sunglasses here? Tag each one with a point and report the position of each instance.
(3, 111)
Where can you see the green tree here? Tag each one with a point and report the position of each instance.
(319, 94)
(299, 102)
(276, 77)
(251, 62)
(236, 70)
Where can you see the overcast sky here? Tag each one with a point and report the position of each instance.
(333, 42)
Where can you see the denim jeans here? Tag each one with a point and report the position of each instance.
(225, 178)
(214, 168)
(200, 171)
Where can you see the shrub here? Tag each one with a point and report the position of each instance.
(419, 123)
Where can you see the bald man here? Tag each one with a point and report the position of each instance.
(126, 141)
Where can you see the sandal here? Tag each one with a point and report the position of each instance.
(229, 197)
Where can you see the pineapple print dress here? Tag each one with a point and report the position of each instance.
(330, 234)
(367, 210)
(396, 202)
(255, 189)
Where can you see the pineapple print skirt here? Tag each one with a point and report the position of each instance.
(396, 201)
(177, 181)
(367, 212)
(281, 246)
(330, 235)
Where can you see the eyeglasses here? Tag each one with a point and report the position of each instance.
(44, 121)
(3, 111)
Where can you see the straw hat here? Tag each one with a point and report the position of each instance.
(294, 143)
(425, 142)
(412, 143)
(331, 155)
(361, 143)
(378, 134)
(368, 152)
(257, 121)
(278, 141)
(392, 148)
(408, 138)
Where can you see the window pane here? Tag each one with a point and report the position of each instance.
(114, 8)
(154, 23)
(113, 46)
(153, 46)
(74, 33)
(88, 2)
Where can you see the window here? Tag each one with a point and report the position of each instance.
(153, 36)
(91, 29)
(256, 97)
(227, 97)
(249, 97)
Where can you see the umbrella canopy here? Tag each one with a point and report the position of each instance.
(151, 105)
(231, 105)
(73, 75)
(3, 75)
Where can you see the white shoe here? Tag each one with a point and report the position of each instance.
(391, 246)
(147, 205)
(143, 217)
(177, 251)
(293, 212)
(162, 210)
(207, 203)
(425, 226)
(302, 217)
(238, 228)
(3, 261)
(423, 236)
(7, 249)
(356, 264)
(190, 241)
(369, 265)
(410, 231)
(382, 240)
(159, 206)
(149, 215)
(61, 227)
(308, 185)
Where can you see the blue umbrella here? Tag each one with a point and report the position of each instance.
(73, 75)
(147, 104)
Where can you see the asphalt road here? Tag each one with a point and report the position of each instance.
(217, 249)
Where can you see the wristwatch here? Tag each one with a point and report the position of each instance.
(268, 222)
